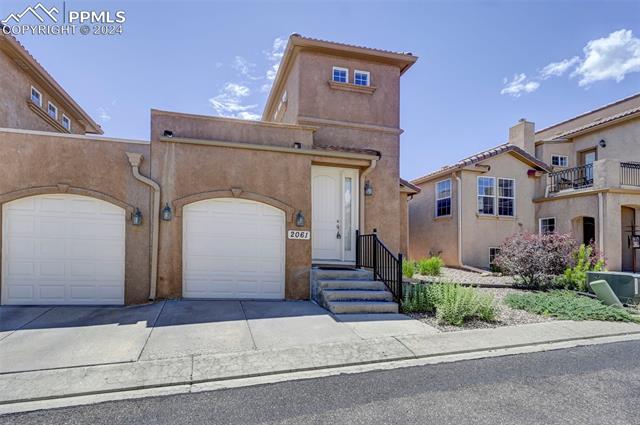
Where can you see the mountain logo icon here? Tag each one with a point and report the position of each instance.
(39, 11)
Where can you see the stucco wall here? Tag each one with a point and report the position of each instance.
(480, 232)
(15, 85)
(202, 172)
(622, 141)
(429, 235)
(39, 164)
(318, 99)
(404, 224)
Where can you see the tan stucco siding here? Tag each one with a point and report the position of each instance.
(40, 164)
(479, 232)
(404, 223)
(429, 235)
(318, 99)
(15, 85)
(622, 141)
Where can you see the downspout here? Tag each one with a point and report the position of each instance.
(601, 222)
(459, 214)
(363, 176)
(135, 159)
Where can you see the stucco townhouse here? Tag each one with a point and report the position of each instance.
(208, 207)
(580, 176)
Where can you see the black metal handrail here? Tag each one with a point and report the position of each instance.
(372, 254)
(571, 178)
(630, 173)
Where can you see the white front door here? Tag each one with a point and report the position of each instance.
(334, 213)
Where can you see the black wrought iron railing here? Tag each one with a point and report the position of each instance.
(630, 173)
(372, 254)
(571, 178)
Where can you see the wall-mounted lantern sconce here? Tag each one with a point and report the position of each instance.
(166, 212)
(603, 143)
(299, 219)
(368, 189)
(136, 217)
(168, 133)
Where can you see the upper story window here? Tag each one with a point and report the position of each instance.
(66, 122)
(559, 160)
(36, 97)
(443, 198)
(340, 75)
(52, 110)
(486, 195)
(547, 225)
(361, 78)
(506, 197)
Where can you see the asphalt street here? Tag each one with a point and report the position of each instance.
(586, 385)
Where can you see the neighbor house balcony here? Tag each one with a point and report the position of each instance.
(602, 174)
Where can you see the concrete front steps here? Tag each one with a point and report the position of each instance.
(350, 291)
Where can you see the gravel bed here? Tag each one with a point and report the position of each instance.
(449, 274)
(506, 316)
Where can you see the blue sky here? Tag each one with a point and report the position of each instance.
(462, 95)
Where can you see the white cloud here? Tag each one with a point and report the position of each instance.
(556, 69)
(609, 58)
(229, 102)
(277, 49)
(518, 85)
(245, 68)
(103, 114)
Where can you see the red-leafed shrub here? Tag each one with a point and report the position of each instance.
(535, 260)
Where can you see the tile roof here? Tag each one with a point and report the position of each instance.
(346, 149)
(481, 156)
(351, 45)
(598, 122)
(412, 188)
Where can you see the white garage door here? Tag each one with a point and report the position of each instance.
(62, 249)
(233, 248)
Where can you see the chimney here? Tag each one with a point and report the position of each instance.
(522, 135)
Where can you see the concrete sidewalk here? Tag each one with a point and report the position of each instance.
(199, 368)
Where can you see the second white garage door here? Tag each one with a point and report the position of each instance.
(233, 248)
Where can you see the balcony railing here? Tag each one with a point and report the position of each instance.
(630, 173)
(571, 178)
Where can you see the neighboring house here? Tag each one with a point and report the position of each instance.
(32, 100)
(580, 176)
(83, 224)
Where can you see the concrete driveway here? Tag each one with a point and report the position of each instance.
(38, 338)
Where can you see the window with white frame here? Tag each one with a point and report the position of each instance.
(36, 97)
(493, 253)
(506, 197)
(52, 110)
(547, 225)
(560, 160)
(361, 78)
(340, 75)
(486, 195)
(66, 122)
(443, 198)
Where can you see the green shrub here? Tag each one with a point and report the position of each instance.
(452, 303)
(430, 266)
(575, 276)
(408, 268)
(567, 305)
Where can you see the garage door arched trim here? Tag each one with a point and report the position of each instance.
(179, 204)
(63, 249)
(233, 248)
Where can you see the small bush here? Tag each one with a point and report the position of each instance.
(585, 259)
(408, 268)
(452, 303)
(430, 266)
(567, 305)
(535, 260)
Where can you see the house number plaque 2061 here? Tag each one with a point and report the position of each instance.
(299, 234)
